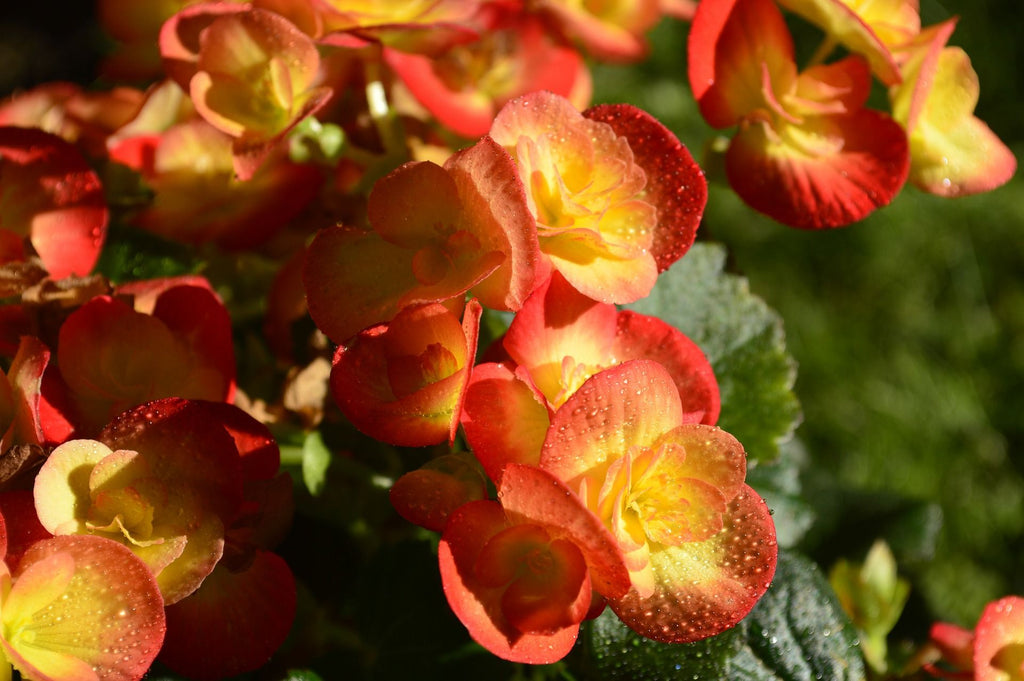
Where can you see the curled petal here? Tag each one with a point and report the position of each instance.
(532, 495)
(842, 23)
(404, 382)
(505, 418)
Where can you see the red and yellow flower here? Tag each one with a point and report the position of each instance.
(698, 541)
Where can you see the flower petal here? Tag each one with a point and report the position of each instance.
(731, 44)
(999, 641)
(102, 617)
(828, 172)
(704, 588)
(504, 417)
(953, 153)
(632, 404)
(478, 606)
(675, 183)
(234, 622)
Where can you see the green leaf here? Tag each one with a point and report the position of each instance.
(301, 675)
(744, 340)
(131, 254)
(796, 632)
(612, 652)
(316, 459)
(313, 141)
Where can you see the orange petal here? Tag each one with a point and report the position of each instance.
(52, 197)
(632, 404)
(429, 495)
(556, 322)
(404, 382)
(102, 611)
(704, 588)
(641, 336)
(999, 641)
(504, 418)
(533, 496)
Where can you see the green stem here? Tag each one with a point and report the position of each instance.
(827, 46)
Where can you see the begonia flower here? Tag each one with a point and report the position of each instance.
(79, 607)
(464, 87)
(420, 26)
(558, 340)
(242, 612)
(111, 357)
(438, 232)
(865, 27)
(698, 541)
(251, 73)
(807, 152)
(198, 199)
(84, 118)
(163, 479)
(993, 651)
(403, 382)
(609, 31)
(952, 151)
(616, 197)
(52, 203)
(518, 573)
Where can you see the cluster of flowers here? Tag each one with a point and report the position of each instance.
(142, 505)
(807, 150)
